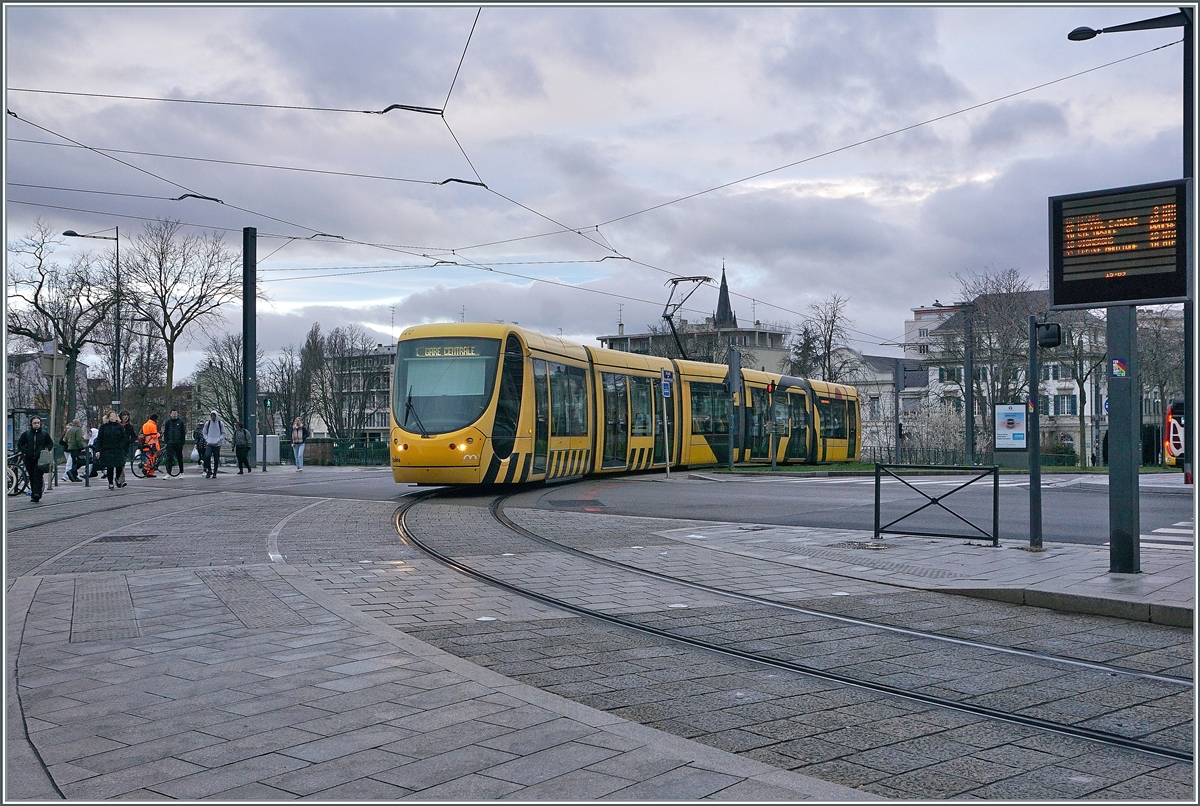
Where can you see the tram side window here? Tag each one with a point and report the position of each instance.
(710, 408)
(568, 400)
(642, 404)
(833, 418)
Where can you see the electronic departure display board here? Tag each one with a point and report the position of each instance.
(1123, 246)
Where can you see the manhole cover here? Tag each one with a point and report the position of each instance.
(125, 538)
(859, 544)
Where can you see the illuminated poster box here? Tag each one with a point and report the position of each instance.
(1009, 423)
(1123, 246)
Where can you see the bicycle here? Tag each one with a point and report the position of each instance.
(145, 460)
(17, 477)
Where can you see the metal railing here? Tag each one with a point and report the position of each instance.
(936, 501)
(337, 452)
(948, 457)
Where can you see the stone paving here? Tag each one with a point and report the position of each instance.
(176, 662)
(267, 644)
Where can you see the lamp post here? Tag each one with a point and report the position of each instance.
(117, 331)
(1181, 19)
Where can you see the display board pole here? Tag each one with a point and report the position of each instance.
(1124, 442)
(1034, 439)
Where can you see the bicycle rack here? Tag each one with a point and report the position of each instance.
(936, 500)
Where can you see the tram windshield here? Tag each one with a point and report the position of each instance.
(443, 384)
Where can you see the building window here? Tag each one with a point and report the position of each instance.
(923, 349)
(1064, 404)
(874, 408)
(923, 332)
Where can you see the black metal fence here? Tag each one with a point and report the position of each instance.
(337, 452)
(947, 457)
(974, 474)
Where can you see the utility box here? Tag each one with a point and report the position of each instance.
(272, 449)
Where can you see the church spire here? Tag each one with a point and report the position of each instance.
(724, 317)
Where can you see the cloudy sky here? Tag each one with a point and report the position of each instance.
(579, 121)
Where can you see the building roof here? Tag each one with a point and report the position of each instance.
(1038, 300)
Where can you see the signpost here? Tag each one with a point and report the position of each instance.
(1117, 249)
(668, 378)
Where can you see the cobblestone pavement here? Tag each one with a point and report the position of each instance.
(785, 721)
(155, 652)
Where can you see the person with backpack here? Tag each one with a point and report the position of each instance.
(74, 444)
(214, 435)
(30, 446)
(241, 445)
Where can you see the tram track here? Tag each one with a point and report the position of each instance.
(1102, 737)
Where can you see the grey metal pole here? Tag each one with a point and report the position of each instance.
(250, 336)
(1035, 442)
(117, 331)
(735, 388)
(969, 380)
(1124, 442)
(1189, 356)
(898, 386)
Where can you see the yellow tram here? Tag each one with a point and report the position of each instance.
(499, 404)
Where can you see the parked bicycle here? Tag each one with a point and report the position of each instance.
(17, 477)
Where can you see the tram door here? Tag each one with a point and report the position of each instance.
(797, 447)
(616, 421)
(760, 415)
(641, 422)
(541, 406)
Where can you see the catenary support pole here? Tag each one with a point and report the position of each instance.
(969, 381)
(1124, 442)
(1189, 310)
(1034, 415)
(250, 336)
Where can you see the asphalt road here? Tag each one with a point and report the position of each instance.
(1074, 507)
(1072, 512)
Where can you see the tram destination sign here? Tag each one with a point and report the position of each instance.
(1122, 246)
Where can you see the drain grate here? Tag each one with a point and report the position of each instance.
(125, 538)
(860, 544)
(102, 610)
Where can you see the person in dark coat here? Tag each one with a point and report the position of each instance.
(174, 434)
(112, 443)
(131, 438)
(198, 435)
(30, 446)
(241, 445)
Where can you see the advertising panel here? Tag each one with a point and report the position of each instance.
(1010, 426)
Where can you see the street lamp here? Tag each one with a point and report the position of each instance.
(117, 331)
(1180, 19)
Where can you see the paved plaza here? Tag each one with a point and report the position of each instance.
(270, 637)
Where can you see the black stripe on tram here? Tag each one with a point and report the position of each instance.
(512, 468)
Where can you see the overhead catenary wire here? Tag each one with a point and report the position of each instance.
(428, 110)
(454, 80)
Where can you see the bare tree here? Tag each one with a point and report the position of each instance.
(290, 384)
(828, 328)
(57, 304)
(999, 304)
(1160, 355)
(348, 381)
(178, 281)
(219, 382)
(1083, 348)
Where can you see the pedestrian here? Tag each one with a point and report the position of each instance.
(214, 435)
(150, 445)
(131, 438)
(30, 446)
(74, 446)
(241, 444)
(201, 455)
(174, 434)
(299, 435)
(112, 443)
(92, 451)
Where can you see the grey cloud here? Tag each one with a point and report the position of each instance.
(852, 56)
(1010, 124)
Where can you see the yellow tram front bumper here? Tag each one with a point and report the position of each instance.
(452, 458)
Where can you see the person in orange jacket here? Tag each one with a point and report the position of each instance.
(150, 445)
